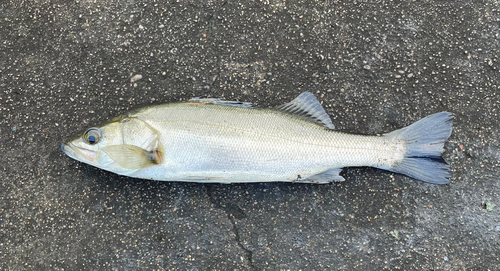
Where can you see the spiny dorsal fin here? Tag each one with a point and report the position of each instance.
(219, 102)
(307, 106)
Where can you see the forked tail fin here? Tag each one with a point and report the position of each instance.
(425, 140)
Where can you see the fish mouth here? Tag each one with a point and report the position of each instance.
(79, 154)
(61, 147)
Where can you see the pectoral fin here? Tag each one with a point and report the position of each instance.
(132, 157)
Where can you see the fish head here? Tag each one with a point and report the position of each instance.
(102, 146)
(87, 147)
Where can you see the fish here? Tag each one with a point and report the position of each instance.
(217, 141)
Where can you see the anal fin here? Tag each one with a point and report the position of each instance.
(331, 175)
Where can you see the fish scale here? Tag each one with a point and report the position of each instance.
(253, 141)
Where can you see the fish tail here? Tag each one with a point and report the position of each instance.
(425, 141)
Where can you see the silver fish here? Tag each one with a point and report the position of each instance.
(216, 141)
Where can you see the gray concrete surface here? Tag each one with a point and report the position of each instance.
(375, 65)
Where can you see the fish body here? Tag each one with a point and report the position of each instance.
(209, 140)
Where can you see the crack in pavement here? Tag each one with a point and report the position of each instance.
(249, 253)
(229, 213)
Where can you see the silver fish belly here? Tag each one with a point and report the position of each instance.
(209, 140)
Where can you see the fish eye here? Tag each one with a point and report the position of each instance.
(92, 135)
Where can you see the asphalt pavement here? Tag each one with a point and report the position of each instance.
(375, 66)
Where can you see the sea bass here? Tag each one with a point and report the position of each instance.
(217, 141)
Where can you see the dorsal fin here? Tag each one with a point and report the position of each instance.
(307, 106)
(217, 101)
